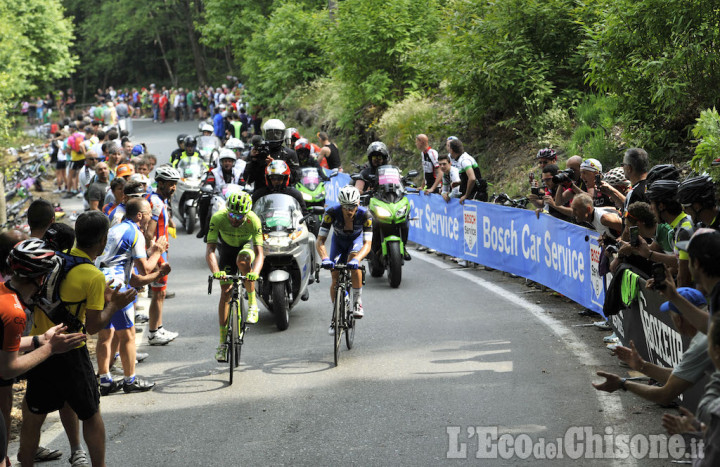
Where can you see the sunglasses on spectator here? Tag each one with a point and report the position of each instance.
(236, 217)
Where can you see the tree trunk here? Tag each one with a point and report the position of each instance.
(332, 6)
(194, 45)
(158, 41)
(229, 59)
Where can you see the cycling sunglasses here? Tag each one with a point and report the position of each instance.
(349, 207)
(236, 217)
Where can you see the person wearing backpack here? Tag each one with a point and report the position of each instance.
(85, 304)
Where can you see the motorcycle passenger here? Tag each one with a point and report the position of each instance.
(206, 129)
(303, 149)
(224, 174)
(176, 154)
(237, 147)
(236, 232)
(277, 179)
(352, 238)
(378, 155)
(189, 152)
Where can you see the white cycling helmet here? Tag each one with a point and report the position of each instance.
(349, 196)
(226, 153)
(167, 173)
(207, 127)
(234, 143)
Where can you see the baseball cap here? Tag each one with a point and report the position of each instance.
(138, 150)
(140, 178)
(592, 165)
(693, 296)
(123, 170)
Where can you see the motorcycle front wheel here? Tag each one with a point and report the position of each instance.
(190, 218)
(394, 260)
(281, 307)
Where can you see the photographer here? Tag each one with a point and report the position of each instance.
(571, 177)
(615, 185)
(547, 196)
(639, 215)
(259, 158)
(591, 176)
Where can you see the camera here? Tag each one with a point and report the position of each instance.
(598, 179)
(658, 275)
(535, 190)
(262, 148)
(564, 177)
(612, 249)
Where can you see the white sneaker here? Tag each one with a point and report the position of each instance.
(431, 251)
(611, 339)
(462, 263)
(169, 334)
(602, 325)
(158, 338)
(331, 330)
(421, 248)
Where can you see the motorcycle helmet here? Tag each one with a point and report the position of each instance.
(206, 127)
(181, 140)
(291, 135)
(697, 190)
(662, 172)
(239, 203)
(190, 141)
(349, 196)
(274, 132)
(662, 190)
(31, 258)
(303, 148)
(277, 169)
(546, 153)
(378, 148)
(167, 173)
(226, 153)
(234, 144)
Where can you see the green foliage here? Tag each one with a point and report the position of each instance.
(404, 120)
(707, 137)
(374, 45)
(284, 53)
(660, 57)
(594, 135)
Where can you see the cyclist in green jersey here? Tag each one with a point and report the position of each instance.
(238, 232)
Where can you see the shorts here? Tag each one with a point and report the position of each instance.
(125, 318)
(161, 282)
(60, 165)
(77, 165)
(342, 247)
(227, 258)
(64, 378)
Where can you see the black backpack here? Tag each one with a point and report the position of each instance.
(48, 300)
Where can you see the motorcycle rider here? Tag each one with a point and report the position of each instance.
(277, 179)
(189, 152)
(175, 155)
(274, 134)
(378, 155)
(224, 174)
(237, 146)
(303, 149)
(352, 239)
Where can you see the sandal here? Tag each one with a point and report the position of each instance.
(44, 454)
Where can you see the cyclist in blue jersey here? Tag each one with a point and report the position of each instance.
(352, 238)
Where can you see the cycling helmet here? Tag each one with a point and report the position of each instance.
(349, 196)
(546, 153)
(239, 202)
(277, 168)
(31, 258)
(190, 141)
(291, 135)
(375, 148)
(697, 190)
(181, 140)
(167, 173)
(234, 143)
(615, 177)
(274, 132)
(662, 172)
(662, 190)
(226, 153)
(207, 127)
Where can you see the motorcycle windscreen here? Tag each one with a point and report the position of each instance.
(310, 178)
(190, 170)
(230, 189)
(278, 211)
(389, 181)
(207, 143)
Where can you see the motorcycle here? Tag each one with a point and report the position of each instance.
(390, 208)
(313, 193)
(209, 148)
(184, 201)
(289, 249)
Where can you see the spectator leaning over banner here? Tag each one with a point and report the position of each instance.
(694, 363)
(450, 179)
(697, 196)
(604, 220)
(472, 185)
(429, 160)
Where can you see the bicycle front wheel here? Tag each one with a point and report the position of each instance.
(338, 312)
(241, 330)
(232, 326)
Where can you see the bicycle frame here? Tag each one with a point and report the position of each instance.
(236, 314)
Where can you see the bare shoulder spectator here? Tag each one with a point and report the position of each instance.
(604, 220)
(329, 151)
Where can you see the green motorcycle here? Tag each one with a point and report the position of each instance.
(390, 209)
(312, 188)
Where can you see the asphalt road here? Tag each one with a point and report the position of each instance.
(449, 350)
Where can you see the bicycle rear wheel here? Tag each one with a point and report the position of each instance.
(338, 311)
(350, 328)
(232, 338)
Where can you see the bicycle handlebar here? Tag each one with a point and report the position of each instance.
(233, 278)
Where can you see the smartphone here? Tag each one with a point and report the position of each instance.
(531, 177)
(535, 190)
(658, 275)
(634, 238)
(598, 179)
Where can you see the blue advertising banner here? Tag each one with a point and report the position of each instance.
(332, 186)
(560, 255)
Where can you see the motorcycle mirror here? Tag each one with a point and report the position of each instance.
(318, 210)
(356, 177)
(334, 173)
(412, 174)
(206, 189)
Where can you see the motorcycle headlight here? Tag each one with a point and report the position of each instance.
(382, 213)
(401, 212)
(306, 197)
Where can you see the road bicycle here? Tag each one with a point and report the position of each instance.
(343, 321)
(235, 328)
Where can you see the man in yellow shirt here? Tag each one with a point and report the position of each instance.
(70, 378)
